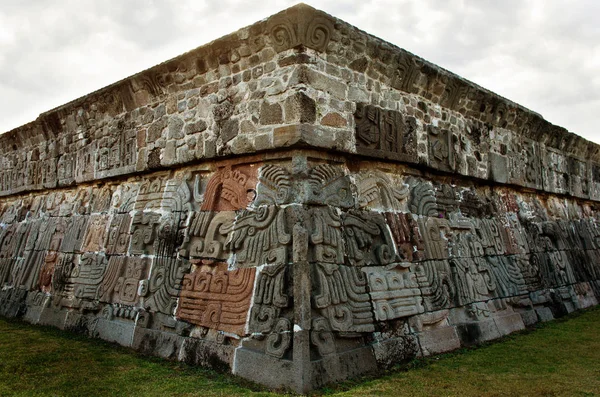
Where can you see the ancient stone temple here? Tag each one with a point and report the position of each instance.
(297, 203)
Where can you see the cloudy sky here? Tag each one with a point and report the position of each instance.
(543, 54)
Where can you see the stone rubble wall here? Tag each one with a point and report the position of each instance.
(297, 203)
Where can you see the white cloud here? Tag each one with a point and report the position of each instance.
(543, 54)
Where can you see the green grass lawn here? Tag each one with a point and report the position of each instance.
(560, 358)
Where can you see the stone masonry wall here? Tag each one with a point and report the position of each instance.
(297, 203)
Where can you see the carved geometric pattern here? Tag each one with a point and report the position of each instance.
(395, 292)
(387, 133)
(214, 297)
(297, 28)
(340, 294)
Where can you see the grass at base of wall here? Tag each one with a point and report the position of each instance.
(560, 358)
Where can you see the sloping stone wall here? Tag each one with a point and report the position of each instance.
(297, 203)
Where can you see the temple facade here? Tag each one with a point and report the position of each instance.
(298, 203)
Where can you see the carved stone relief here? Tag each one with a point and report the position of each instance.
(328, 185)
(118, 237)
(260, 237)
(368, 239)
(376, 190)
(386, 133)
(122, 282)
(150, 194)
(96, 234)
(161, 290)
(214, 297)
(299, 29)
(230, 189)
(340, 295)
(394, 292)
(442, 152)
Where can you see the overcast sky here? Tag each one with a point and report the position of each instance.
(542, 54)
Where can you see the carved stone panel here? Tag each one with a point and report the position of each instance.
(230, 189)
(215, 297)
(328, 185)
(207, 234)
(74, 237)
(385, 133)
(160, 292)
(272, 294)
(96, 234)
(325, 235)
(260, 237)
(406, 234)
(150, 193)
(507, 275)
(77, 281)
(378, 191)
(117, 151)
(394, 292)
(368, 239)
(123, 199)
(118, 237)
(85, 162)
(525, 164)
(66, 169)
(340, 295)
(101, 200)
(274, 186)
(442, 151)
(122, 281)
(554, 170)
(144, 229)
(578, 177)
(296, 28)
(436, 284)
(473, 279)
(433, 231)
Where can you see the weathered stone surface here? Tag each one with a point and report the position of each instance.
(271, 113)
(214, 297)
(229, 208)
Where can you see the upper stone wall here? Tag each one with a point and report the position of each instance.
(298, 78)
(387, 103)
(212, 101)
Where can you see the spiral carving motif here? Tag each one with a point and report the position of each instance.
(318, 33)
(310, 32)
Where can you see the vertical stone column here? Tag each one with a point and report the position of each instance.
(302, 307)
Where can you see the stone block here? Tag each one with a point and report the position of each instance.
(498, 168)
(345, 365)
(266, 370)
(508, 323)
(438, 340)
(53, 316)
(115, 331)
(390, 352)
(271, 113)
(529, 317)
(300, 108)
(544, 314)
(153, 342)
(474, 333)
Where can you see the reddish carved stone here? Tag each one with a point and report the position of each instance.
(231, 188)
(215, 297)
